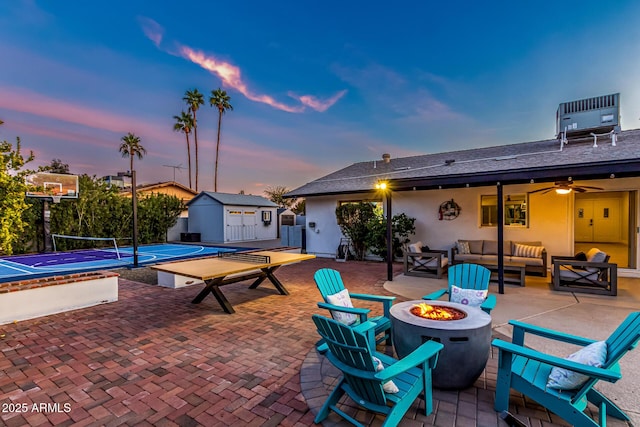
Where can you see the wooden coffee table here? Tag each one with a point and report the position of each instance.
(515, 271)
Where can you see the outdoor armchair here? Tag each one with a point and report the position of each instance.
(331, 287)
(468, 284)
(375, 381)
(554, 382)
(595, 275)
(419, 260)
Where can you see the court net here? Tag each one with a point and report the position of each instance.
(245, 257)
(106, 244)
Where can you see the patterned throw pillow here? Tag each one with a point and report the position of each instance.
(593, 355)
(389, 386)
(463, 247)
(342, 299)
(527, 251)
(470, 297)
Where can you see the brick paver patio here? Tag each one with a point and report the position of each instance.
(153, 358)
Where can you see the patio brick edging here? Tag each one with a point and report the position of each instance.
(20, 285)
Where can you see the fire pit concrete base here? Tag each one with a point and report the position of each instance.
(466, 341)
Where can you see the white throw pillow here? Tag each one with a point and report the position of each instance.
(342, 299)
(470, 297)
(527, 251)
(593, 355)
(415, 247)
(389, 386)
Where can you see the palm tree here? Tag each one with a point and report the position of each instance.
(130, 147)
(220, 100)
(194, 100)
(184, 123)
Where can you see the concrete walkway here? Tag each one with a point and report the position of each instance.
(593, 316)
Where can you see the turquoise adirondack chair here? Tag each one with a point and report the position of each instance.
(467, 276)
(329, 282)
(526, 371)
(351, 351)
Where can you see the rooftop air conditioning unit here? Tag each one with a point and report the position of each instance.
(600, 114)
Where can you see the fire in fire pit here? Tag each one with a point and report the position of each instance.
(437, 312)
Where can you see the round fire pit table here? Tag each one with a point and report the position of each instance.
(466, 341)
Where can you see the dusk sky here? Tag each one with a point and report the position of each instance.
(315, 86)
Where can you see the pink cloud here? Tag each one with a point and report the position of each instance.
(152, 30)
(318, 104)
(231, 75)
(29, 102)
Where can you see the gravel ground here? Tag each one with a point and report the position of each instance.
(142, 275)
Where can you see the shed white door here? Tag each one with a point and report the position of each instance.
(241, 224)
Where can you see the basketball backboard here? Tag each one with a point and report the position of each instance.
(48, 185)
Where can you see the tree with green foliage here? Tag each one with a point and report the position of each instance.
(300, 207)
(194, 100)
(184, 123)
(402, 226)
(12, 195)
(56, 166)
(158, 213)
(353, 220)
(276, 195)
(220, 100)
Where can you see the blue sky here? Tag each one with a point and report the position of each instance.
(315, 86)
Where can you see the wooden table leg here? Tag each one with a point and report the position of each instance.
(213, 287)
(268, 274)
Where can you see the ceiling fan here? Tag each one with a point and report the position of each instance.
(565, 187)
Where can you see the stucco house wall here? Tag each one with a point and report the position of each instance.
(550, 217)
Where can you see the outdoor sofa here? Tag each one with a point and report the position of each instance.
(532, 254)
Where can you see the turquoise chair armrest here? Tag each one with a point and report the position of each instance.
(378, 298)
(591, 371)
(436, 294)
(519, 329)
(428, 350)
(489, 303)
(386, 301)
(362, 312)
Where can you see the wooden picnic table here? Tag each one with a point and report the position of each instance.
(232, 268)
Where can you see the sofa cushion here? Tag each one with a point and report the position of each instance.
(526, 261)
(490, 247)
(475, 246)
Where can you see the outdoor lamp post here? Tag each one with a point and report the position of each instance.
(383, 186)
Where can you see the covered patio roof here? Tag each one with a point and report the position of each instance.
(535, 162)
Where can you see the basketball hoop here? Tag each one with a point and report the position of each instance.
(56, 199)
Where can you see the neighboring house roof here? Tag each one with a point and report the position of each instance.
(158, 185)
(236, 199)
(541, 161)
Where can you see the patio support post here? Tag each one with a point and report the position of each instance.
(500, 240)
(389, 237)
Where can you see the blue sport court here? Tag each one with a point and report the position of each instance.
(20, 267)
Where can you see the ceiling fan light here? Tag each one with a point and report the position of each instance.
(562, 190)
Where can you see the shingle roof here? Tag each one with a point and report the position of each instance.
(503, 160)
(236, 199)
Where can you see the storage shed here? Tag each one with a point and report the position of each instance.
(223, 217)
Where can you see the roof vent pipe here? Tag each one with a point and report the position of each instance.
(449, 162)
(386, 157)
